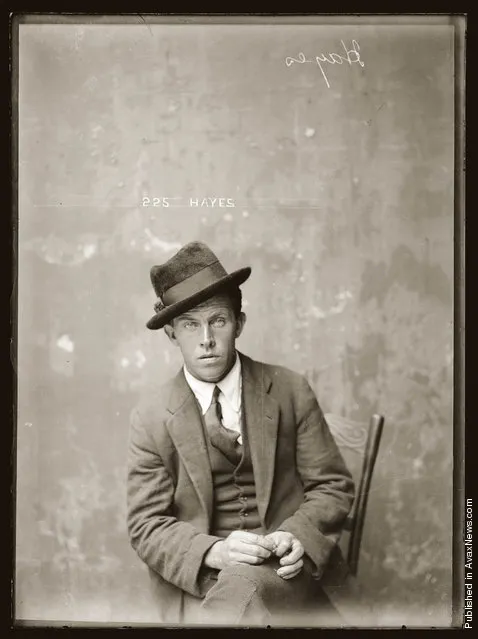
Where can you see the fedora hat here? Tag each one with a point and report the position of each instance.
(191, 276)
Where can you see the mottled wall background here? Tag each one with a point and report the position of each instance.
(344, 210)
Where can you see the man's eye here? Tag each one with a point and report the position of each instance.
(219, 321)
(190, 326)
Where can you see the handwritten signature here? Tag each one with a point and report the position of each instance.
(352, 56)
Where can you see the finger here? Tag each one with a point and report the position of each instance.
(247, 537)
(295, 554)
(284, 571)
(256, 540)
(292, 575)
(242, 558)
(282, 547)
(270, 541)
(287, 572)
(251, 550)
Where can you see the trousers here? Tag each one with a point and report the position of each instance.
(243, 595)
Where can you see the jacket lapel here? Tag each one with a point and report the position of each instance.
(185, 429)
(261, 414)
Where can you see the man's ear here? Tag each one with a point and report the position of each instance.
(241, 320)
(169, 330)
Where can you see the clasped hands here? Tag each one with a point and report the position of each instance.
(242, 547)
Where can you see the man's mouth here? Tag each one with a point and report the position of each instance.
(208, 356)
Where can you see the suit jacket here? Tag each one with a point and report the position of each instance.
(302, 483)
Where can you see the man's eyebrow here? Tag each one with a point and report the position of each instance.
(217, 314)
(185, 316)
(214, 315)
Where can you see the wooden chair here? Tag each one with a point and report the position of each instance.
(357, 442)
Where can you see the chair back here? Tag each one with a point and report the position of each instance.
(359, 444)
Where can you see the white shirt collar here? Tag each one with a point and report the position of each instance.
(230, 385)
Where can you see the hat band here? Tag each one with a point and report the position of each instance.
(195, 283)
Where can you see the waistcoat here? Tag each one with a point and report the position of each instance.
(234, 491)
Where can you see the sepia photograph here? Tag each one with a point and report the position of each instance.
(237, 306)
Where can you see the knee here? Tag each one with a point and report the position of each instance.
(243, 571)
(262, 579)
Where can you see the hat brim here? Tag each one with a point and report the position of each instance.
(170, 312)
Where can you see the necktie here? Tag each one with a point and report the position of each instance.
(220, 437)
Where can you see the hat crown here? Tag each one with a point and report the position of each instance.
(191, 276)
(188, 261)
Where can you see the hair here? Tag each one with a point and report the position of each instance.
(234, 293)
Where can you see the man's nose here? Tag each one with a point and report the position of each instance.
(207, 340)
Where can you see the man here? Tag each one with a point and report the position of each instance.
(237, 493)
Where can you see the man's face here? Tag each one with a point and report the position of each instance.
(206, 336)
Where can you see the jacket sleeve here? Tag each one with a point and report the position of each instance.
(328, 485)
(172, 548)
